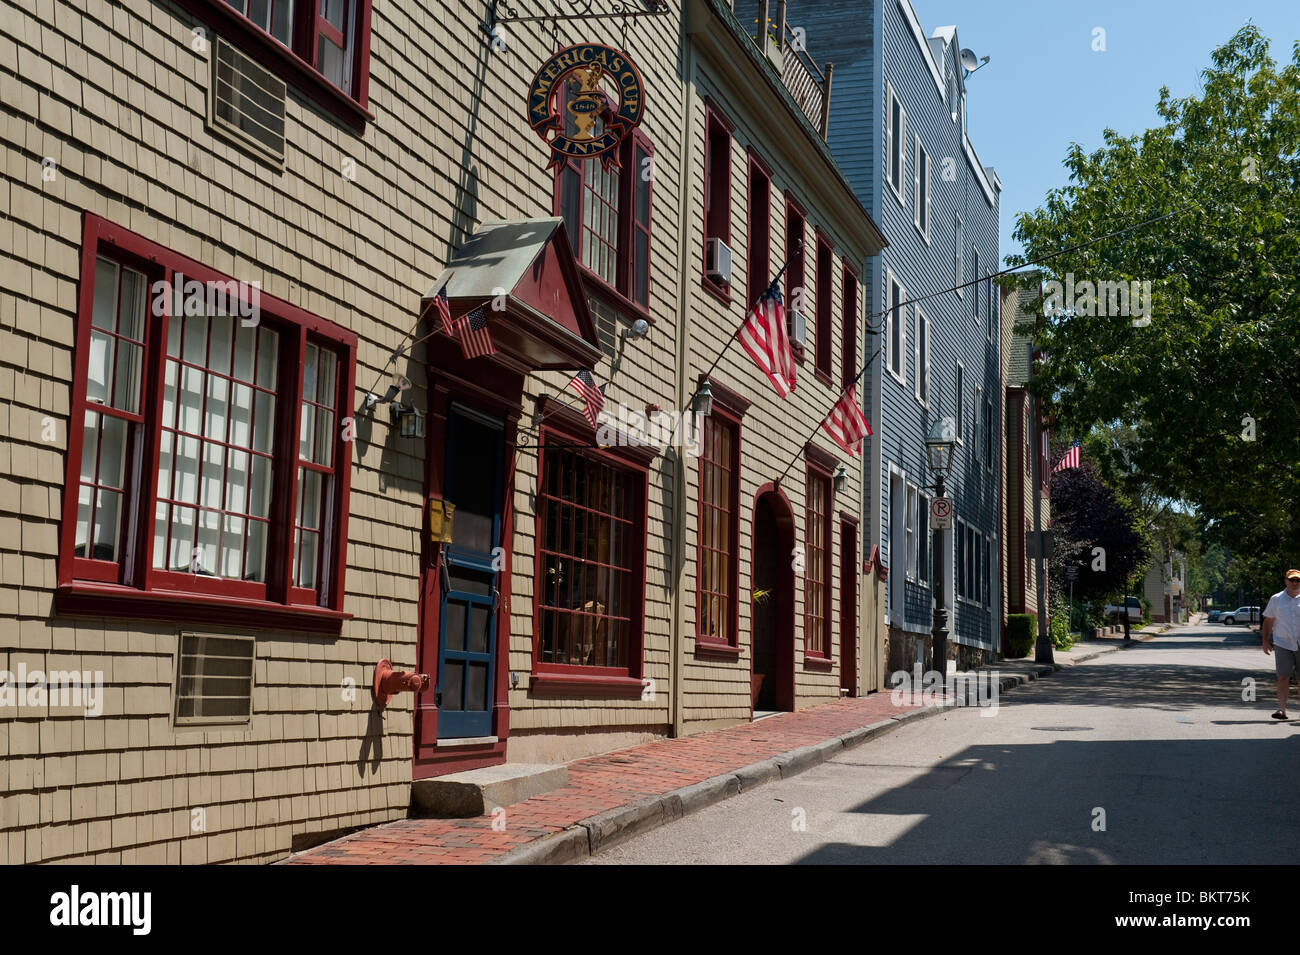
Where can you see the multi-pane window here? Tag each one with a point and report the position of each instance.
(990, 306)
(327, 34)
(183, 461)
(590, 547)
(795, 260)
(759, 262)
(958, 267)
(112, 431)
(961, 402)
(719, 503)
(959, 547)
(988, 433)
(717, 183)
(217, 448)
(825, 308)
(922, 357)
(817, 576)
(912, 532)
(921, 214)
(315, 464)
(896, 329)
(897, 136)
(849, 327)
(923, 538)
(607, 211)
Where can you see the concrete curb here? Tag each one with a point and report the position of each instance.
(589, 836)
(603, 830)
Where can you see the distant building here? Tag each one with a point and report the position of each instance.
(1019, 579)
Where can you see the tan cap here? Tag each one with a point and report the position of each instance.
(1293, 574)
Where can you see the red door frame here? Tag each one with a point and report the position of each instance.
(849, 570)
(497, 390)
(784, 663)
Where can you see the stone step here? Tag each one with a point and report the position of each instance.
(476, 792)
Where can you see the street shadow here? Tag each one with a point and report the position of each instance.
(1173, 802)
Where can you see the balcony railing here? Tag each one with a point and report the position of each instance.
(786, 49)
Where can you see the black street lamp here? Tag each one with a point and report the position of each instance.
(938, 447)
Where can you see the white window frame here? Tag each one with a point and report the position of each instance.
(911, 530)
(960, 404)
(922, 207)
(990, 425)
(977, 421)
(923, 347)
(894, 146)
(923, 562)
(975, 275)
(899, 374)
(990, 306)
(958, 263)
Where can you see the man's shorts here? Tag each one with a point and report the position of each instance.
(1285, 660)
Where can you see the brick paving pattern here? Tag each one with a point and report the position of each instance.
(600, 783)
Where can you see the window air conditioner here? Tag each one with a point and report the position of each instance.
(798, 327)
(717, 261)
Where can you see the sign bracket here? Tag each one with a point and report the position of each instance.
(502, 11)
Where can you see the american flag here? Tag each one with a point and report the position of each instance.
(585, 385)
(846, 424)
(444, 309)
(475, 339)
(1069, 460)
(765, 337)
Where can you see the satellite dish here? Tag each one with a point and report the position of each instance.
(969, 60)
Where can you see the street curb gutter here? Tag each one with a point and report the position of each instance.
(587, 837)
(595, 833)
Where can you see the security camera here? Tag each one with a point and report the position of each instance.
(640, 328)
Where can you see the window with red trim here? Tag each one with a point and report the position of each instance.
(718, 580)
(817, 568)
(186, 476)
(849, 327)
(825, 272)
(759, 247)
(795, 280)
(327, 35)
(607, 212)
(717, 184)
(591, 550)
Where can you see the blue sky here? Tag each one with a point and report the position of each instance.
(1044, 86)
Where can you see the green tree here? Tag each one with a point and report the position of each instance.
(1208, 394)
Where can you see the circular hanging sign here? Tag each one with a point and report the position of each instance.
(584, 100)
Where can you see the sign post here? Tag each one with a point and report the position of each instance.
(941, 514)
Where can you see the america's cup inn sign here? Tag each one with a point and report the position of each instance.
(583, 101)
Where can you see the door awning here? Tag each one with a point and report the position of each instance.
(527, 269)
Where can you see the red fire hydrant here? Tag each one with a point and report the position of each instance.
(389, 682)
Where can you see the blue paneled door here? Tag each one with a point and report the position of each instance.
(471, 594)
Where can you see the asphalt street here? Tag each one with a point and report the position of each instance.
(1146, 755)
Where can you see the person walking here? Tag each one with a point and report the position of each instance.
(1280, 632)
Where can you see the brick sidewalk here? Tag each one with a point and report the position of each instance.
(598, 784)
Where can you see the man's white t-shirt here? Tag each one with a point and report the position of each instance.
(1285, 611)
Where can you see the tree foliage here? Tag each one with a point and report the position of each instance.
(1218, 360)
(1086, 514)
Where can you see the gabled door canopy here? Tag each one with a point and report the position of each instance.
(545, 322)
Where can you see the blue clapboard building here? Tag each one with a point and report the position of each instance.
(899, 104)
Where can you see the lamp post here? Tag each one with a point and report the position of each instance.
(938, 448)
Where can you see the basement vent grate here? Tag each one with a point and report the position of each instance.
(215, 681)
(246, 102)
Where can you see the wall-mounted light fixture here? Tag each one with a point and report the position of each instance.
(841, 479)
(409, 419)
(703, 403)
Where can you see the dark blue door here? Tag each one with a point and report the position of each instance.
(471, 581)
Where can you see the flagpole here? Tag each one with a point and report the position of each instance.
(776, 278)
(844, 391)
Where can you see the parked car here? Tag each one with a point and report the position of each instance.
(1214, 616)
(1134, 608)
(1244, 614)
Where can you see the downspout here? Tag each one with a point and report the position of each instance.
(683, 388)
